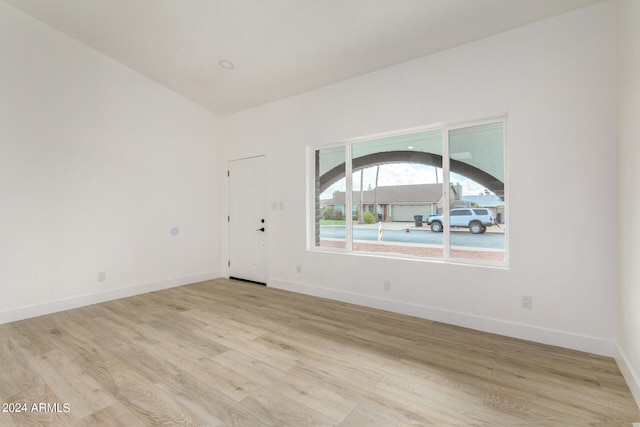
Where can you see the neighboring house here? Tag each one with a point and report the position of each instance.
(402, 202)
(395, 203)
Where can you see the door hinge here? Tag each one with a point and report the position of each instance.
(228, 218)
(228, 173)
(229, 263)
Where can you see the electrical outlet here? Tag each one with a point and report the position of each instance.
(527, 301)
(387, 285)
(102, 276)
(298, 268)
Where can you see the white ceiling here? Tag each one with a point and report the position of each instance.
(279, 48)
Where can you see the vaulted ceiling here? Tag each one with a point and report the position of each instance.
(230, 55)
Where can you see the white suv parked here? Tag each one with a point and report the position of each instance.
(475, 219)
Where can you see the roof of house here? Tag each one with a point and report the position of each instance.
(396, 194)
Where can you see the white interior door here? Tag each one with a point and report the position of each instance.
(247, 220)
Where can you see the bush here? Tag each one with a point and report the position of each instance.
(368, 218)
(326, 212)
(330, 213)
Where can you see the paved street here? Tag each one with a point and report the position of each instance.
(396, 232)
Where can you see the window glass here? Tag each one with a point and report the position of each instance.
(330, 202)
(397, 185)
(476, 164)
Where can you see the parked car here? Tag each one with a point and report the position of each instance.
(475, 219)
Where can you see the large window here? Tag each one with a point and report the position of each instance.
(437, 193)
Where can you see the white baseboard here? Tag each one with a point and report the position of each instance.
(25, 312)
(558, 338)
(629, 373)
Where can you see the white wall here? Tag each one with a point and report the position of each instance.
(556, 80)
(628, 333)
(97, 164)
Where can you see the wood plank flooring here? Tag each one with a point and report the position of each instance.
(228, 353)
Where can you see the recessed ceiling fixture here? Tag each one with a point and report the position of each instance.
(227, 65)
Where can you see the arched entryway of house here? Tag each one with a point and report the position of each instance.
(461, 168)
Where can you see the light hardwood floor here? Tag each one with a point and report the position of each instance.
(229, 353)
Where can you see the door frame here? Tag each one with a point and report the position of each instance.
(266, 217)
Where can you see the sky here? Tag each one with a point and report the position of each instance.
(405, 174)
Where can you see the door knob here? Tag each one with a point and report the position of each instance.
(260, 229)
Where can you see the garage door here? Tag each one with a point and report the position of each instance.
(406, 212)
